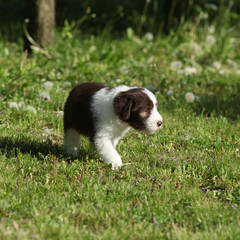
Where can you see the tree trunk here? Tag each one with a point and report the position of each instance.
(41, 26)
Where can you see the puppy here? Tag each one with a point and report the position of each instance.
(105, 114)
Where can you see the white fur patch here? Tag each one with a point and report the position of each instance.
(109, 129)
(155, 116)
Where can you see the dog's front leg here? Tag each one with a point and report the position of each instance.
(105, 148)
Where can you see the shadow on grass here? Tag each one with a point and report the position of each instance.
(38, 149)
(224, 103)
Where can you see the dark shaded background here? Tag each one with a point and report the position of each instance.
(115, 16)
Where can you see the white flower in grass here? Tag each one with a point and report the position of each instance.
(189, 96)
(30, 109)
(204, 15)
(92, 49)
(170, 93)
(211, 29)
(118, 80)
(13, 105)
(46, 131)
(210, 40)
(151, 59)
(217, 65)
(185, 137)
(221, 72)
(43, 79)
(21, 104)
(6, 51)
(59, 113)
(149, 36)
(67, 84)
(44, 96)
(189, 71)
(124, 69)
(176, 65)
(48, 85)
(196, 48)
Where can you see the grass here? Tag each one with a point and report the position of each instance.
(184, 181)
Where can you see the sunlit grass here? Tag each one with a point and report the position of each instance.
(182, 183)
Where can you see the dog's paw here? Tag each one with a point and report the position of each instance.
(116, 166)
(73, 151)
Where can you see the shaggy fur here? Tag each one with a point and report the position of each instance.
(105, 114)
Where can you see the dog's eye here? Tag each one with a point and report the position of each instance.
(147, 111)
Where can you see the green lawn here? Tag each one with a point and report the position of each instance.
(183, 182)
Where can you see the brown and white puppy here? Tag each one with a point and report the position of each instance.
(105, 114)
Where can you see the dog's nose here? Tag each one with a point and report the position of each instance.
(159, 123)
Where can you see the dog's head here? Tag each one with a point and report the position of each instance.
(138, 107)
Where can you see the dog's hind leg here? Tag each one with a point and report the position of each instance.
(71, 141)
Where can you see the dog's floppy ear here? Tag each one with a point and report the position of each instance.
(122, 105)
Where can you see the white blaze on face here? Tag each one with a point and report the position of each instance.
(154, 120)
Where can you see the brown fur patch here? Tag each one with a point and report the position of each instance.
(77, 113)
(134, 107)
